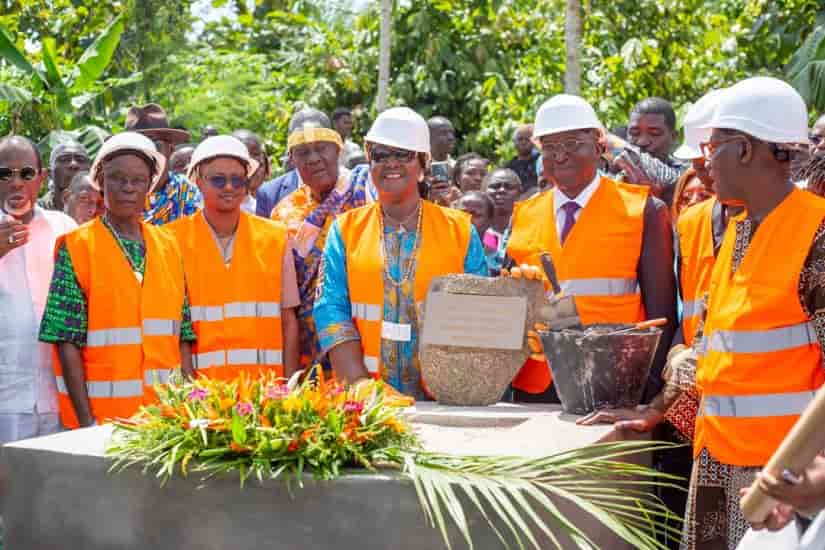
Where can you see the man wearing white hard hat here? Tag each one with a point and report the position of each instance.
(116, 309)
(760, 358)
(611, 242)
(379, 261)
(240, 276)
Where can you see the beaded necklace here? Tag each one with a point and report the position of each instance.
(136, 269)
(407, 271)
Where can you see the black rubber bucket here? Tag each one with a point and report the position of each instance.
(593, 368)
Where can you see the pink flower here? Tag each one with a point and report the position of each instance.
(244, 408)
(353, 407)
(198, 394)
(278, 391)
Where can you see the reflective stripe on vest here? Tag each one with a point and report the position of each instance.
(104, 389)
(132, 336)
(371, 363)
(759, 341)
(161, 327)
(236, 309)
(238, 357)
(366, 312)
(692, 308)
(600, 287)
(113, 337)
(157, 376)
(760, 405)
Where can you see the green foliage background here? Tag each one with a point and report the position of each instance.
(485, 64)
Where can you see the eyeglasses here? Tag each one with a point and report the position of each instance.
(120, 179)
(816, 139)
(68, 158)
(219, 182)
(27, 173)
(708, 148)
(567, 146)
(381, 156)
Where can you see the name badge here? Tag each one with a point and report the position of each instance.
(396, 332)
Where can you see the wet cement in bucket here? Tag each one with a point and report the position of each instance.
(593, 368)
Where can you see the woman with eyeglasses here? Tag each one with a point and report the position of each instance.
(240, 276)
(379, 261)
(116, 310)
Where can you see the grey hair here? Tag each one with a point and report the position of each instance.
(60, 148)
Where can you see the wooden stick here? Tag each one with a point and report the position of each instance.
(805, 440)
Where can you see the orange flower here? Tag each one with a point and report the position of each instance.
(238, 448)
(264, 421)
(226, 403)
(396, 426)
(167, 411)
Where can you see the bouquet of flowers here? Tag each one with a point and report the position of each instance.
(253, 426)
(272, 428)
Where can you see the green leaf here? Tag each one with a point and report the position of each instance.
(50, 62)
(9, 52)
(238, 430)
(14, 95)
(98, 55)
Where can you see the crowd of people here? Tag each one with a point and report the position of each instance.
(161, 254)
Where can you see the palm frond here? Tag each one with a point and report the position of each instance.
(517, 497)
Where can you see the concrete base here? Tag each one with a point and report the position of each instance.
(59, 494)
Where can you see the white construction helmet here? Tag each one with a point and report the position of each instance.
(130, 141)
(222, 146)
(562, 113)
(699, 115)
(401, 127)
(765, 108)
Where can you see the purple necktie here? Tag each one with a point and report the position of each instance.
(570, 208)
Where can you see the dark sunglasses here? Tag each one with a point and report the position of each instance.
(27, 173)
(219, 182)
(380, 156)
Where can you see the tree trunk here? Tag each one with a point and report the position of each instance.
(572, 40)
(384, 55)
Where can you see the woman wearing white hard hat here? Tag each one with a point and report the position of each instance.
(611, 242)
(116, 309)
(379, 260)
(761, 350)
(240, 274)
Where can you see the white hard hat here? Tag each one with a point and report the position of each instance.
(129, 141)
(699, 114)
(222, 146)
(765, 108)
(401, 127)
(562, 113)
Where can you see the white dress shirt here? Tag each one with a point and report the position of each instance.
(560, 199)
(27, 382)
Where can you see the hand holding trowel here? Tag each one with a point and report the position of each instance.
(560, 311)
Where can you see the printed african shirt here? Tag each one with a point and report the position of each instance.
(308, 222)
(66, 317)
(178, 198)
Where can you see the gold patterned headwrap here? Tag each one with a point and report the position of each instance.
(312, 134)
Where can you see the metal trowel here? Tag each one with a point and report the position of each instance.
(561, 312)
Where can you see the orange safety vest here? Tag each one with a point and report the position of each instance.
(695, 228)
(445, 237)
(597, 264)
(236, 310)
(760, 361)
(133, 334)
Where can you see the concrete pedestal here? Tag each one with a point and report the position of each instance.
(59, 494)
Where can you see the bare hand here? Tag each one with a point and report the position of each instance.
(780, 516)
(440, 190)
(13, 234)
(641, 419)
(807, 496)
